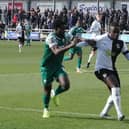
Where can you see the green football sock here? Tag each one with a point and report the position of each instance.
(46, 100)
(79, 62)
(66, 58)
(28, 42)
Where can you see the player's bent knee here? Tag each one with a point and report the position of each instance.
(66, 86)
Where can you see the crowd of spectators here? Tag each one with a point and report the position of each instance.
(44, 20)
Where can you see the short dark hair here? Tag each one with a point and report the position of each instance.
(114, 25)
(58, 23)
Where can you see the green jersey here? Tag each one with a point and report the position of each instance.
(73, 32)
(76, 31)
(27, 29)
(49, 59)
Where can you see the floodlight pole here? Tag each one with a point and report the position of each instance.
(54, 5)
(69, 4)
(12, 8)
(28, 5)
(97, 6)
(113, 4)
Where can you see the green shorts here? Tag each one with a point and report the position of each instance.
(75, 50)
(48, 75)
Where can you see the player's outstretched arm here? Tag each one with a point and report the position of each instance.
(56, 49)
(86, 42)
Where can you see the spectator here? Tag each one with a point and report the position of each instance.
(14, 20)
(0, 14)
(2, 28)
(123, 19)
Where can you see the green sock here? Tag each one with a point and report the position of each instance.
(66, 58)
(27, 42)
(79, 62)
(59, 90)
(46, 100)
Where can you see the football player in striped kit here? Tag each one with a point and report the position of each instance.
(108, 48)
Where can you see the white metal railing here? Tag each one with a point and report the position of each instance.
(41, 34)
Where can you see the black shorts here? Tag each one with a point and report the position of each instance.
(21, 39)
(103, 73)
(94, 48)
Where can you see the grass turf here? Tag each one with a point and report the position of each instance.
(21, 93)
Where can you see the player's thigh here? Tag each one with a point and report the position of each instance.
(79, 51)
(47, 77)
(109, 77)
(72, 51)
(62, 77)
(112, 80)
(20, 39)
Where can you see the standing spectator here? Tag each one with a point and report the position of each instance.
(87, 15)
(65, 19)
(2, 29)
(74, 17)
(6, 16)
(14, 20)
(91, 19)
(123, 19)
(0, 14)
(69, 19)
(38, 10)
(33, 18)
(106, 13)
(49, 20)
(9, 16)
(65, 10)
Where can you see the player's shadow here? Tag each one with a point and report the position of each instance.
(126, 120)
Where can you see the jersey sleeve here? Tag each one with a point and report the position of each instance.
(82, 30)
(125, 48)
(68, 37)
(98, 38)
(70, 33)
(51, 41)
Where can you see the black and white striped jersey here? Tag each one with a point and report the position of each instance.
(107, 52)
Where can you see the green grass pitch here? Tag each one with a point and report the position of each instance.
(21, 93)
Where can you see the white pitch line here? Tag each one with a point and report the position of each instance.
(20, 109)
(75, 114)
(39, 110)
(92, 71)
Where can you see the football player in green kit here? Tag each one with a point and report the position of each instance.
(51, 64)
(27, 32)
(75, 31)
